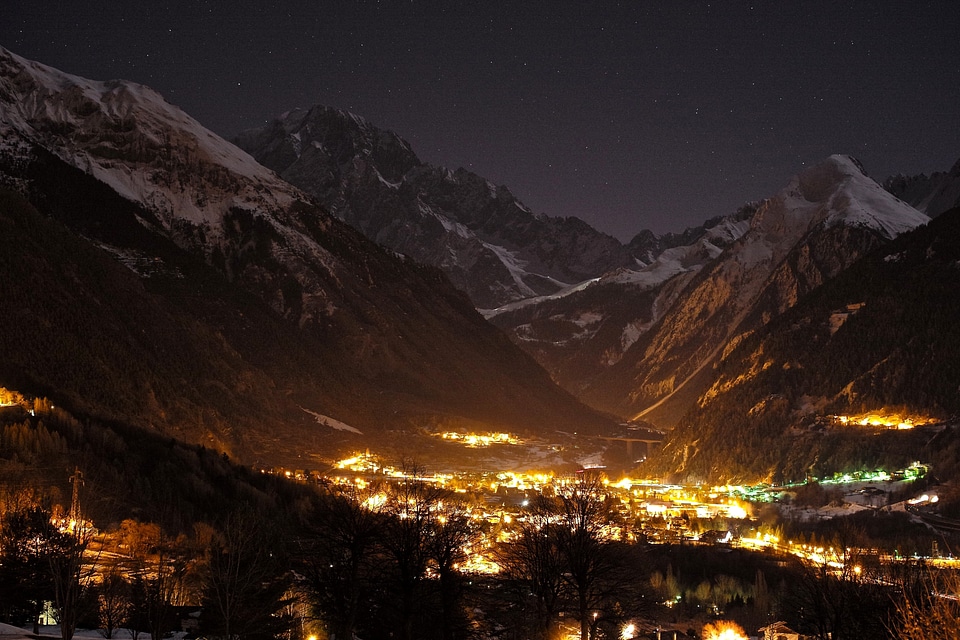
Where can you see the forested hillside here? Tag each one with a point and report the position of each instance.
(881, 338)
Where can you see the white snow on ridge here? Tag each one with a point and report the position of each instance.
(833, 192)
(670, 263)
(387, 183)
(728, 230)
(165, 146)
(514, 265)
(449, 225)
(327, 421)
(667, 265)
(848, 196)
(526, 302)
(863, 202)
(683, 259)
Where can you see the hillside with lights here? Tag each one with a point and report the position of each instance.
(861, 374)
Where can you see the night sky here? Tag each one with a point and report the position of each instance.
(632, 115)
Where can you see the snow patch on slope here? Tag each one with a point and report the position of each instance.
(863, 202)
(327, 421)
(515, 266)
(526, 302)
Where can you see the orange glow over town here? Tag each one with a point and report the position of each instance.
(475, 440)
(724, 630)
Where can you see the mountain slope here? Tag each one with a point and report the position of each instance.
(931, 194)
(880, 338)
(826, 218)
(486, 241)
(282, 308)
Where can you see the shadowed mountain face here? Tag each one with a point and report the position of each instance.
(156, 275)
(933, 194)
(822, 222)
(159, 275)
(580, 333)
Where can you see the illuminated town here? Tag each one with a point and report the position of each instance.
(638, 509)
(490, 513)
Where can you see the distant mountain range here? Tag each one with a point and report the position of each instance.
(648, 336)
(931, 194)
(632, 329)
(753, 266)
(155, 274)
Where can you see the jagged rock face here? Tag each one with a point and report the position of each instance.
(931, 194)
(580, 333)
(387, 343)
(486, 241)
(824, 220)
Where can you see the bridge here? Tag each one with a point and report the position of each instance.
(633, 437)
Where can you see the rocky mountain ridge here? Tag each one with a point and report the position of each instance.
(933, 194)
(488, 243)
(822, 222)
(637, 338)
(580, 332)
(787, 401)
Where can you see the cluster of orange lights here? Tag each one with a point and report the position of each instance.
(886, 421)
(724, 630)
(475, 440)
(8, 398)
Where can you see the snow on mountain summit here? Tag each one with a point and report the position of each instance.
(126, 135)
(488, 243)
(841, 193)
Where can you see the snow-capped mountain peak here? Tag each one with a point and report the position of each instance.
(838, 192)
(125, 134)
(268, 304)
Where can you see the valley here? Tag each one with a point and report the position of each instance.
(665, 556)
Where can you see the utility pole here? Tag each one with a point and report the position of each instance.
(76, 479)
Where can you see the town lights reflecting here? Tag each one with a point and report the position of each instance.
(375, 502)
(499, 504)
(736, 511)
